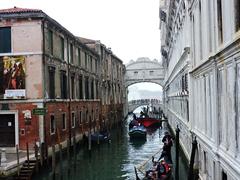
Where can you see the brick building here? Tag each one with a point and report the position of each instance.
(51, 82)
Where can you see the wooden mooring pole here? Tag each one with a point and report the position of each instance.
(177, 154)
(53, 159)
(18, 165)
(27, 154)
(191, 175)
(36, 156)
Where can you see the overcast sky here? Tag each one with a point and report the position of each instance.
(129, 27)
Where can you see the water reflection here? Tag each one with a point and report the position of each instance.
(108, 161)
(137, 143)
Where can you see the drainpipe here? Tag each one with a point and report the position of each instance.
(44, 77)
(69, 96)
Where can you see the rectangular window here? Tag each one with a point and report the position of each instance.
(80, 85)
(91, 64)
(63, 81)
(86, 60)
(237, 15)
(5, 39)
(86, 88)
(73, 120)
(97, 90)
(151, 73)
(72, 87)
(92, 89)
(50, 41)
(96, 66)
(64, 122)
(51, 82)
(52, 124)
(135, 73)
(80, 117)
(62, 48)
(79, 57)
(219, 14)
(71, 53)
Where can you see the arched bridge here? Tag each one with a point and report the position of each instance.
(144, 70)
(134, 104)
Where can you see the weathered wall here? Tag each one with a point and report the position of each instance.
(27, 37)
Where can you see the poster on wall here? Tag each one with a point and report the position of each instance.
(12, 79)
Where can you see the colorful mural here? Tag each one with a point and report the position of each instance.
(13, 78)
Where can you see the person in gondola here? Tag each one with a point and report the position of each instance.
(134, 116)
(134, 122)
(153, 172)
(163, 170)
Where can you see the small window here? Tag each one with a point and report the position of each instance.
(92, 90)
(219, 20)
(86, 88)
(80, 117)
(72, 87)
(135, 73)
(64, 122)
(51, 82)
(73, 120)
(80, 86)
(151, 73)
(96, 66)
(62, 48)
(71, 53)
(86, 60)
(79, 57)
(52, 124)
(63, 81)
(50, 41)
(237, 15)
(5, 40)
(91, 64)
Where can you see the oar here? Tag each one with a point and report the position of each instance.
(135, 169)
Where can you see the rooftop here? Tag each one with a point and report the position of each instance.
(18, 10)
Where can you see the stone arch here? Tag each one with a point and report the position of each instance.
(144, 70)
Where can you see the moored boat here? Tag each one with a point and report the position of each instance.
(137, 132)
(100, 137)
(149, 122)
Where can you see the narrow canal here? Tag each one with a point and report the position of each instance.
(111, 161)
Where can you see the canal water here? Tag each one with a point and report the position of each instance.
(110, 161)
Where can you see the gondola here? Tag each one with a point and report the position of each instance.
(100, 137)
(149, 122)
(138, 131)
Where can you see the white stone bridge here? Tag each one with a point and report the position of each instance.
(153, 103)
(144, 70)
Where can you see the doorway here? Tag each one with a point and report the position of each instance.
(7, 130)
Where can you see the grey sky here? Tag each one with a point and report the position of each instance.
(129, 27)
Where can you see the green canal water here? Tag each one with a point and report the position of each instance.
(111, 161)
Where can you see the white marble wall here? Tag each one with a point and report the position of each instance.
(213, 64)
(214, 84)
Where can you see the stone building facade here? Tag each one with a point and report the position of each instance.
(213, 38)
(175, 43)
(112, 92)
(51, 82)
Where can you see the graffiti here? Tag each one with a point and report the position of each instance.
(13, 75)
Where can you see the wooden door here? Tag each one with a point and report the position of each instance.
(7, 130)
